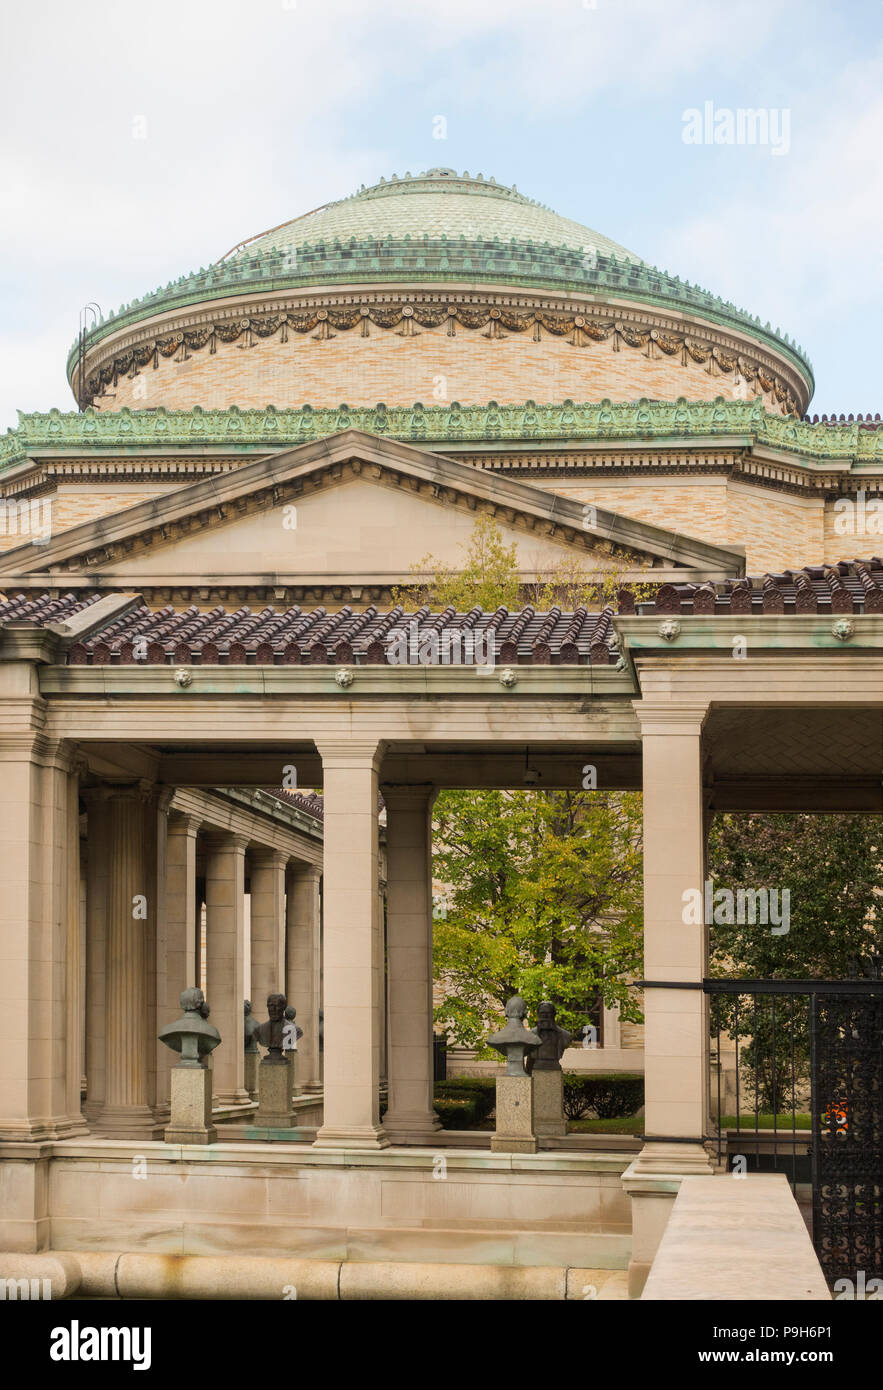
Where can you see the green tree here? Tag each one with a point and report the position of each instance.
(542, 898)
(489, 575)
(832, 869)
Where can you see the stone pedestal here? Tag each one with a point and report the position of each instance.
(252, 1062)
(515, 1132)
(548, 1102)
(296, 1090)
(191, 1117)
(274, 1094)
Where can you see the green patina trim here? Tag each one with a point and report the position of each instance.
(442, 424)
(439, 260)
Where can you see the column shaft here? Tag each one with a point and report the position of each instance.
(676, 1021)
(225, 962)
(176, 933)
(129, 942)
(352, 948)
(676, 1042)
(303, 965)
(267, 926)
(409, 962)
(38, 977)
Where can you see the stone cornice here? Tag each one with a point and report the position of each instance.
(284, 478)
(431, 261)
(717, 635)
(718, 422)
(619, 324)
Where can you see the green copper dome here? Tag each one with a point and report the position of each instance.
(438, 203)
(432, 230)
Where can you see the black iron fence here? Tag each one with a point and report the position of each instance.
(797, 1086)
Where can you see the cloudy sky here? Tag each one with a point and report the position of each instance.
(138, 142)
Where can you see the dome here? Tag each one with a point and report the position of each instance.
(438, 288)
(438, 203)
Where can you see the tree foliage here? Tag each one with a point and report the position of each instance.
(542, 898)
(832, 867)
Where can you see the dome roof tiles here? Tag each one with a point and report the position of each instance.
(438, 203)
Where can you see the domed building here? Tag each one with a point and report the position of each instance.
(204, 594)
(662, 427)
(432, 288)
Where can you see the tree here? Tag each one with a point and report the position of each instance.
(542, 898)
(542, 889)
(489, 576)
(832, 869)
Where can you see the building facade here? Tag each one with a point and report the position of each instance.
(198, 575)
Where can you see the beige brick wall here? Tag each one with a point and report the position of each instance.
(692, 506)
(855, 532)
(69, 507)
(778, 530)
(432, 367)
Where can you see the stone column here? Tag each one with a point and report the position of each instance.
(225, 961)
(676, 1041)
(97, 880)
(182, 908)
(267, 926)
(302, 965)
(177, 934)
(409, 962)
(39, 997)
(126, 1110)
(352, 947)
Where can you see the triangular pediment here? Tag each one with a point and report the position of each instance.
(351, 508)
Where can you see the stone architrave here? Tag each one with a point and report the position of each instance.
(274, 1073)
(194, 1038)
(252, 1051)
(548, 1078)
(515, 1132)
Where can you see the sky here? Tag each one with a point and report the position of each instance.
(140, 142)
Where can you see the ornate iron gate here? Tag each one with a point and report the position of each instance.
(813, 1045)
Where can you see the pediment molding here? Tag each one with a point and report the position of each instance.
(282, 479)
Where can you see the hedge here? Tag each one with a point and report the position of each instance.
(611, 1095)
(456, 1112)
(479, 1090)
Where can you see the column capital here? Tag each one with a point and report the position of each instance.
(141, 790)
(268, 857)
(184, 823)
(666, 717)
(217, 839)
(399, 797)
(300, 868)
(344, 753)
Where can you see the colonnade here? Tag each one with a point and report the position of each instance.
(165, 896)
(167, 908)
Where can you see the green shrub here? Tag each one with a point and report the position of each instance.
(457, 1112)
(609, 1095)
(479, 1090)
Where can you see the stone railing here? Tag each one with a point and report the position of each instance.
(735, 1238)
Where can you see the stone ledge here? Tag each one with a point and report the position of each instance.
(732, 1238)
(119, 1276)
